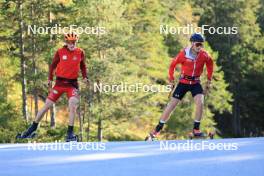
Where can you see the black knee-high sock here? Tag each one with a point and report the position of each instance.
(159, 126)
(196, 125)
(70, 129)
(33, 127)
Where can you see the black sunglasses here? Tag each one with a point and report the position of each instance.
(199, 44)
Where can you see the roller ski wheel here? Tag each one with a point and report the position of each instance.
(151, 137)
(24, 135)
(191, 135)
(201, 135)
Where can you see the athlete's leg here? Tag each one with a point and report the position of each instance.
(43, 110)
(53, 96)
(166, 115)
(169, 108)
(199, 101)
(73, 104)
(178, 94)
(73, 97)
(197, 93)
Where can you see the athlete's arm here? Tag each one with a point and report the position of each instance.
(209, 67)
(53, 65)
(178, 59)
(83, 66)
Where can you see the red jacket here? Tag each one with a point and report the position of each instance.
(191, 67)
(67, 64)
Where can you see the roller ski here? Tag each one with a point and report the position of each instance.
(71, 137)
(197, 134)
(151, 137)
(29, 133)
(26, 135)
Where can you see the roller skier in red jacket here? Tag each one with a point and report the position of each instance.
(192, 60)
(66, 64)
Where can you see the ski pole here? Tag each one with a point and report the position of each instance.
(172, 90)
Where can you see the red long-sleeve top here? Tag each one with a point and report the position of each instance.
(67, 64)
(191, 67)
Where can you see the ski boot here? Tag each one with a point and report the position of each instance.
(151, 137)
(28, 134)
(197, 134)
(71, 137)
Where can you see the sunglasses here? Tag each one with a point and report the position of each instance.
(198, 44)
(71, 42)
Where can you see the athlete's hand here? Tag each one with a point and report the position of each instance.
(171, 83)
(207, 87)
(49, 84)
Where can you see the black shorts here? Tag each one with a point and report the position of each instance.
(182, 89)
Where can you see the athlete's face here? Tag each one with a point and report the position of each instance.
(71, 45)
(197, 46)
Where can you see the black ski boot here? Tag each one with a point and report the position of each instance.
(71, 137)
(29, 133)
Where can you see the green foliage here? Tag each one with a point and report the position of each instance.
(240, 56)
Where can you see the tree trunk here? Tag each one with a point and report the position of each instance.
(22, 61)
(99, 127)
(36, 102)
(35, 92)
(80, 121)
(84, 115)
(89, 102)
(31, 108)
(88, 126)
(53, 108)
(100, 130)
(236, 113)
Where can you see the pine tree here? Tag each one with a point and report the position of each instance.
(239, 54)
